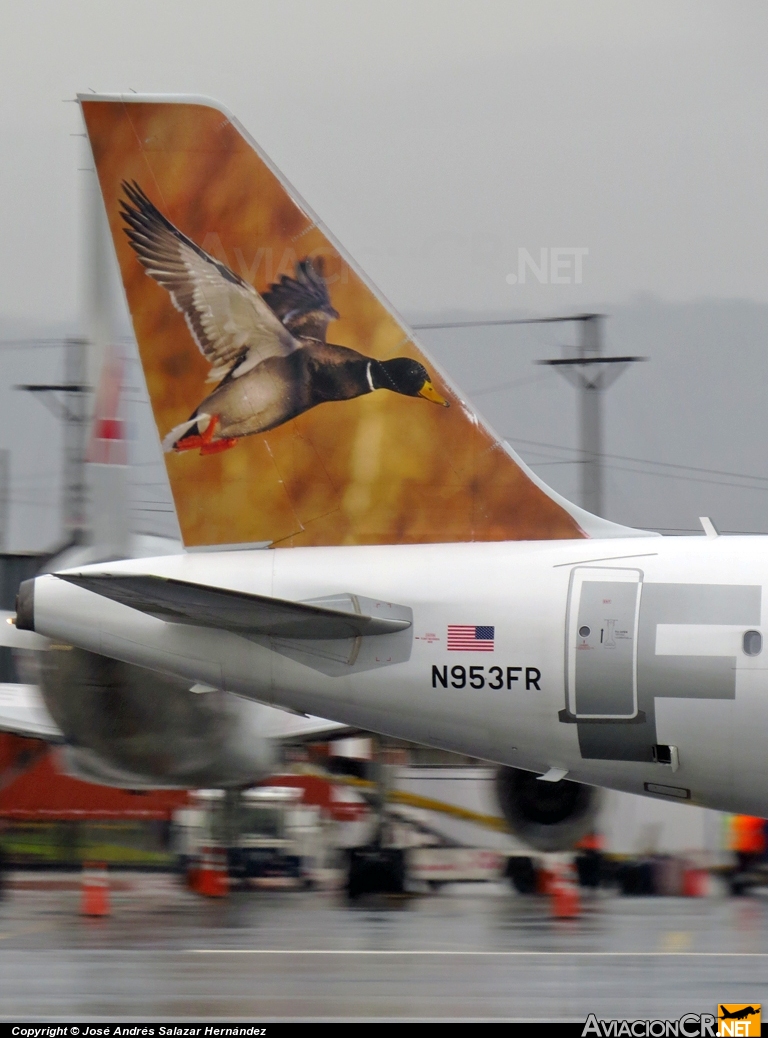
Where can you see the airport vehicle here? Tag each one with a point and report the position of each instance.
(359, 545)
(268, 834)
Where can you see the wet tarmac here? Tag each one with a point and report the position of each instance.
(478, 952)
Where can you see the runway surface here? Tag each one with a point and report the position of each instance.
(477, 951)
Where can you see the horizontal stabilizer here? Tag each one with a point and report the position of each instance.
(23, 712)
(178, 601)
(12, 638)
(287, 727)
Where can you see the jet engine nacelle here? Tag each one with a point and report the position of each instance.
(131, 727)
(548, 816)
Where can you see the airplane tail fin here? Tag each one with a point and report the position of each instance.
(295, 406)
(108, 444)
(107, 459)
(104, 521)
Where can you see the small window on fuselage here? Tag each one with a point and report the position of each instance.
(753, 643)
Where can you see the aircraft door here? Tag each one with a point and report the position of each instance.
(601, 647)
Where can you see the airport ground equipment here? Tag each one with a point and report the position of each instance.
(263, 832)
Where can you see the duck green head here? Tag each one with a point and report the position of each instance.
(406, 376)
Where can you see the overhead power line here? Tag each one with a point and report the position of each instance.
(23, 344)
(590, 371)
(641, 461)
(505, 321)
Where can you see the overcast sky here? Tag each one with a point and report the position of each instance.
(435, 139)
(443, 143)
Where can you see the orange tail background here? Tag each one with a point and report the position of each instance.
(378, 469)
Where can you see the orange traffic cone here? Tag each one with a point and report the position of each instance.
(545, 877)
(193, 875)
(94, 899)
(695, 882)
(212, 876)
(566, 902)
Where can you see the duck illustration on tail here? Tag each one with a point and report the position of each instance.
(269, 352)
(248, 315)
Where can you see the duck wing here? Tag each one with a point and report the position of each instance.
(232, 325)
(302, 302)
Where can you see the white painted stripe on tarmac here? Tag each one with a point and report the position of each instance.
(456, 952)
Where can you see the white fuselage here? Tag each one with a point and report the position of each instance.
(670, 641)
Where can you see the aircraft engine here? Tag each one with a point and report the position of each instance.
(548, 816)
(130, 727)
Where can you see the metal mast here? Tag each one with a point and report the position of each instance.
(591, 373)
(67, 402)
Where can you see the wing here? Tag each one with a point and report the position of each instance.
(302, 302)
(230, 322)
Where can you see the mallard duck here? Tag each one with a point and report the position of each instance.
(268, 353)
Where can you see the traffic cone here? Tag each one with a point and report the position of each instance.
(544, 880)
(695, 882)
(94, 899)
(565, 898)
(193, 875)
(212, 876)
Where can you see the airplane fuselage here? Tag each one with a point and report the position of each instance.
(634, 664)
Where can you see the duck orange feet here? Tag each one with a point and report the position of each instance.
(218, 446)
(205, 441)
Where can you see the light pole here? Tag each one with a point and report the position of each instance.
(591, 373)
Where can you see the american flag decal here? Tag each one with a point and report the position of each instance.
(470, 638)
